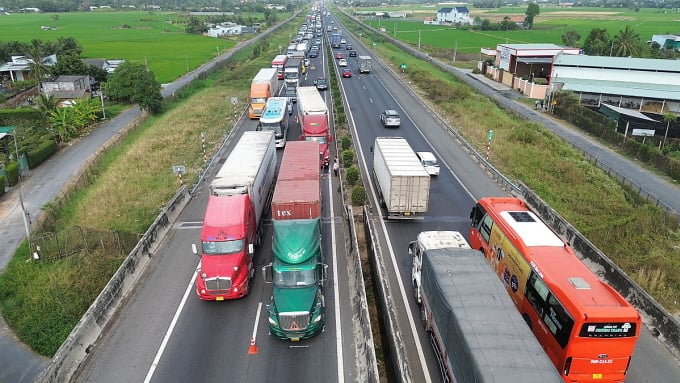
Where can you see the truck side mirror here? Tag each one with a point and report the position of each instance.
(410, 248)
(330, 138)
(194, 249)
(324, 273)
(266, 273)
(251, 248)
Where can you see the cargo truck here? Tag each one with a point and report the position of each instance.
(297, 272)
(475, 330)
(263, 86)
(402, 183)
(313, 118)
(232, 225)
(335, 40)
(292, 72)
(365, 64)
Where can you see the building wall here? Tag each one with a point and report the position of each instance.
(608, 74)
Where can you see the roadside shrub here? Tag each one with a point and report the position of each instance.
(352, 175)
(345, 143)
(2, 186)
(12, 173)
(41, 153)
(347, 157)
(358, 196)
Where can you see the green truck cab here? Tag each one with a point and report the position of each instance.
(297, 272)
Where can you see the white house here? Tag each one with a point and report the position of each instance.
(225, 29)
(454, 15)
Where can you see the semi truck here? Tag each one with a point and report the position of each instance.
(313, 118)
(297, 272)
(232, 224)
(474, 327)
(263, 86)
(365, 64)
(292, 72)
(402, 182)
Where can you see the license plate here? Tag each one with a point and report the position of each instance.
(597, 376)
(407, 213)
(219, 298)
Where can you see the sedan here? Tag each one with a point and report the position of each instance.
(346, 72)
(339, 56)
(352, 53)
(342, 62)
(321, 83)
(348, 47)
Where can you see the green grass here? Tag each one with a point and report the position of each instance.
(42, 301)
(637, 236)
(155, 38)
(549, 27)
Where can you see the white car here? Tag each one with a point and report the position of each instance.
(342, 62)
(429, 163)
(343, 41)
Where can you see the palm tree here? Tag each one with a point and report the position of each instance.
(627, 43)
(37, 51)
(668, 117)
(47, 103)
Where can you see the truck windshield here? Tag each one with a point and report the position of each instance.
(294, 278)
(258, 100)
(292, 76)
(222, 247)
(319, 139)
(274, 127)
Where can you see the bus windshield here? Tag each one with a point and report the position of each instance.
(222, 247)
(274, 127)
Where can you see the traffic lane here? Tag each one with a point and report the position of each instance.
(127, 348)
(449, 152)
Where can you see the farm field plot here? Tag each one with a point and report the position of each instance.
(156, 39)
(549, 26)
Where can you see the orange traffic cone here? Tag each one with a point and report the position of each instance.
(252, 350)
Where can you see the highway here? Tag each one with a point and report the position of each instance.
(164, 333)
(453, 193)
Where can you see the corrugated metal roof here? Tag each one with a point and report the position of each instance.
(628, 112)
(622, 88)
(535, 60)
(532, 46)
(618, 63)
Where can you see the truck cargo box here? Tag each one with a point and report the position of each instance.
(402, 181)
(296, 199)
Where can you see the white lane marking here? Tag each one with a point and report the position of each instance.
(336, 289)
(164, 343)
(257, 320)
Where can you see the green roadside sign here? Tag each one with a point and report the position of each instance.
(402, 66)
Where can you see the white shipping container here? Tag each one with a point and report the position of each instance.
(250, 168)
(402, 181)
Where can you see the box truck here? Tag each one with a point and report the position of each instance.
(313, 118)
(402, 183)
(365, 64)
(263, 86)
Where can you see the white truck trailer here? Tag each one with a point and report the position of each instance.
(402, 182)
(365, 64)
(249, 169)
(475, 328)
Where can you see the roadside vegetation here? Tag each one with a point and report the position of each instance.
(42, 301)
(639, 237)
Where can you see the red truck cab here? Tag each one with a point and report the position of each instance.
(227, 246)
(315, 128)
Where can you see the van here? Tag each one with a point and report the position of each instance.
(429, 163)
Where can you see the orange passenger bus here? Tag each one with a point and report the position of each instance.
(279, 62)
(587, 329)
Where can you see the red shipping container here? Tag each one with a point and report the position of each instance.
(296, 199)
(300, 161)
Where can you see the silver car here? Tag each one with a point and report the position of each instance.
(390, 118)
